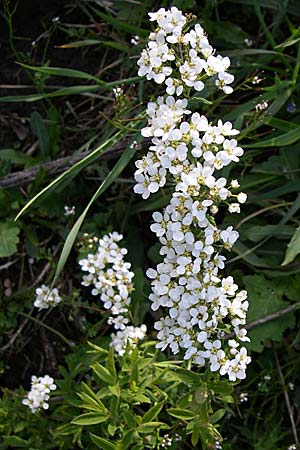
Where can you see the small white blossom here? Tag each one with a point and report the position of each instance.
(37, 398)
(46, 297)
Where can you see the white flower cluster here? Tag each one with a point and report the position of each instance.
(130, 335)
(38, 396)
(111, 279)
(46, 297)
(201, 306)
(181, 59)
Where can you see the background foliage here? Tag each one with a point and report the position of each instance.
(65, 139)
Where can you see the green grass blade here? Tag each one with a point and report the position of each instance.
(283, 140)
(120, 25)
(282, 125)
(62, 72)
(70, 90)
(114, 173)
(74, 169)
(263, 24)
(89, 42)
(293, 248)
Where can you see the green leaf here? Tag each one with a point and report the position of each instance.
(9, 233)
(89, 42)
(105, 444)
(184, 414)
(195, 433)
(40, 131)
(150, 427)
(103, 373)
(120, 25)
(90, 397)
(114, 173)
(128, 437)
(228, 32)
(91, 418)
(15, 442)
(220, 387)
(129, 418)
(110, 365)
(288, 42)
(153, 412)
(293, 248)
(187, 376)
(70, 90)
(217, 415)
(259, 232)
(115, 390)
(280, 124)
(62, 72)
(15, 157)
(282, 140)
(265, 297)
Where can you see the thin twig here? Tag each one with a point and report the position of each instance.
(267, 318)
(25, 176)
(286, 396)
(272, 316)
(45, 269)
(48, 328)
(14, 336)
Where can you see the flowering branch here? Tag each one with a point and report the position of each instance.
(187, 151)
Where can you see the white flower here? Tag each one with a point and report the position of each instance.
(242, 198)
(38, 396)
(224, 79)
(234, 208)
(46, 297)
(69, 211)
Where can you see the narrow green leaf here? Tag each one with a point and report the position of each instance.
(90, 396)
(283, 140)
(153, 412)
(110, 365)
(72, 170)
(70, 90)
(150, 427)
(40, 131)
(217, 415)
(280, 124)
(115, 390)
(91, 418)
(195, 433)
(15, 442)
(120, 25)
(220, 387)
(128, 437)
(88, 42)
(62, 72)
(187, 376)
(259, 232)
(102, 443)
(184, 414)
(252, 52)
(14, 156)
(288, 43)
(293, 248)
(102, 373)
(114, 173)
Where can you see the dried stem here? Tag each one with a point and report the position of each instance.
(26, 176)
(286, 396)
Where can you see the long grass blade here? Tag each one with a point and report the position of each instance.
(115, 172)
